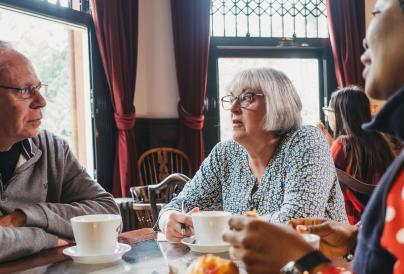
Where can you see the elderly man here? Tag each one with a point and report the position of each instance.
(267, 248)
(42, 185)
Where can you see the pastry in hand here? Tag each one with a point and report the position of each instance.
(321, 126)
(251, 213)
(325, 131)
(211, 264)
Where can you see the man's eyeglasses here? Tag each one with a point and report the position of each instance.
(327, 110)
(245, 99)
(27, 92)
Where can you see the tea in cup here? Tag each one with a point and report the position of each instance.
(96, 234)
(209, 226)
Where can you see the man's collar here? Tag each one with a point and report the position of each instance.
(390, 118)
(27, 148)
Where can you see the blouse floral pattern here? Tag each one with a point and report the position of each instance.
(299, 181)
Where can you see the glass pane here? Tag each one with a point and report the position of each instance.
(269, 18)
(59, 53)
(303, 73)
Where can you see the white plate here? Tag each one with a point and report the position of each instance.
(190, 242)
(96, 259)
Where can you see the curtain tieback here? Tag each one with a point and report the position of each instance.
(189, 120)
(125, 121)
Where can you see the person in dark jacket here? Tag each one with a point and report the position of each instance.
(379, 240)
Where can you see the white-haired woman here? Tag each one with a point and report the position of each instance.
(273, 164)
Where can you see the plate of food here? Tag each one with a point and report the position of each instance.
(212, 264)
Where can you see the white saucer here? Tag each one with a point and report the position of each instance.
(191, 243)
(96, 259)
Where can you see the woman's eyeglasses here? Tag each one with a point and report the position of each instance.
(245, 99)
(327, 110)
(27, 92)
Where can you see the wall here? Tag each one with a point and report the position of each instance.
(156, 84)
(156, 95)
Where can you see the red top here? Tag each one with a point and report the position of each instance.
(354, 202)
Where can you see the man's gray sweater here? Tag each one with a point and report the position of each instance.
(50, 187)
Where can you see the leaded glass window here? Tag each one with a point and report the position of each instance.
(269, 18)
(80, 5)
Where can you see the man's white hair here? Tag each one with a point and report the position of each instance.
(5, 48)
(283, 105)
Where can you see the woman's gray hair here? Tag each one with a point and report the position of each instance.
(283, 105)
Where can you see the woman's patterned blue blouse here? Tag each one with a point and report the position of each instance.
(299, 181)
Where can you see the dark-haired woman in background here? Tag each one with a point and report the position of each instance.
(364, 155)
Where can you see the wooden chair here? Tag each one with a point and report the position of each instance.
(141, 206)
(169, 188)
(144, 216)
(140, 194)
(129, 218)
(156, 164)
(354, 184)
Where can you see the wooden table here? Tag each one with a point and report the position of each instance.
(146, 256)
(53, 261)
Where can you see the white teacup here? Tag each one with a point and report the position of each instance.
(96, 234)
(312, 239)
(209, 226)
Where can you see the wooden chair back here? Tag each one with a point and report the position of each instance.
(169, 188)
(156, 164)
(354, 184)
(144, 216)
(129, 221)
(140, 194)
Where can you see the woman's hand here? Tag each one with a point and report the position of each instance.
(337, 239)
(264, 247)
(173, 225)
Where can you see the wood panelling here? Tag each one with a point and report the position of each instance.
(156, 133)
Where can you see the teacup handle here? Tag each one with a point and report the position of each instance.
(119, 228)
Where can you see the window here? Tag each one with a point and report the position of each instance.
(269, 18)
(79, 5)
(59, 53)
(88, 80)
(288, 35)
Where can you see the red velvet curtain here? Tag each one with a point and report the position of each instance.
(346, 23)
(191, 43)
(116, 25)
